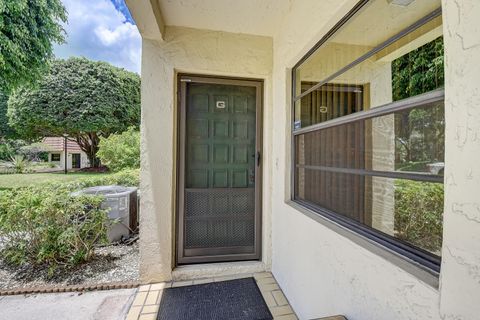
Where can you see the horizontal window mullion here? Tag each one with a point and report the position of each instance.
(375, 173)
(425, 99)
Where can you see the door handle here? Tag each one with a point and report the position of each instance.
(257, 156)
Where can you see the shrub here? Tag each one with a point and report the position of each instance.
(46, 225)
(419, 213)
(6, 151)
(120, 151)
(17, 163)
(10, 147)
(127, 178)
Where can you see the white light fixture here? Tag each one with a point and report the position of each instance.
(402, 3)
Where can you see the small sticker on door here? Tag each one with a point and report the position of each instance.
(221, 104)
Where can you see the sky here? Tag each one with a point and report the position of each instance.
(101, 30)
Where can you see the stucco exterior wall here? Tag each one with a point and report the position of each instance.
(187, 50)
(460, 276)
(321, 271)
(324, 273)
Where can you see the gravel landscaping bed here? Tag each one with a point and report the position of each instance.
(114, 263)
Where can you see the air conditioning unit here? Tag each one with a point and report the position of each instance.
(122, 205)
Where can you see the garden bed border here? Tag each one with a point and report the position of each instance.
(71, 288)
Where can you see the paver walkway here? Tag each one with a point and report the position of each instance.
(104, 305)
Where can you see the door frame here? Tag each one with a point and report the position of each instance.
(182, 80)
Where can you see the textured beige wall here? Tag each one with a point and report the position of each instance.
(324, 273)
(321, 271)
(460, 276)
(193, 51)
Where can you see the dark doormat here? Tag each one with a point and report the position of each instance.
(227, 300)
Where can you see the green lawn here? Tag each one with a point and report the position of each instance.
(8, 181)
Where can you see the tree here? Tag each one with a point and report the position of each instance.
(82, 98)
(28, 29)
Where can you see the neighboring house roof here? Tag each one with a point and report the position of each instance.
(56, 144)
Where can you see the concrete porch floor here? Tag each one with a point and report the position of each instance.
(147, 301)
(95, 305)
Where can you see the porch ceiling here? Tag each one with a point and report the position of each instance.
(237, 16)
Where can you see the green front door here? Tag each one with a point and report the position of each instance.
(219, 209)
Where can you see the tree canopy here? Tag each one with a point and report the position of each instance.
(28, 29)
(78, 97)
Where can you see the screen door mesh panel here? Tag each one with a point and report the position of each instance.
(219, 218)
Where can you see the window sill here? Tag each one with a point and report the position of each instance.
(417, 270)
